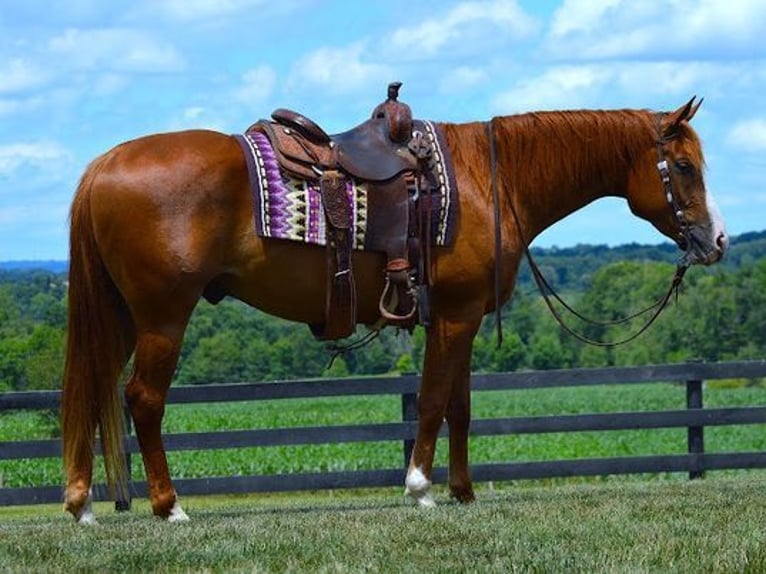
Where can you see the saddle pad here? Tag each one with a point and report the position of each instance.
(289, 208)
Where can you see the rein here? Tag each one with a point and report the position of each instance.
(547, 291)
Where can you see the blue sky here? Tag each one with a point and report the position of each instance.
(79, 76)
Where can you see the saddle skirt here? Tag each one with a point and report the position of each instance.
(290, 208)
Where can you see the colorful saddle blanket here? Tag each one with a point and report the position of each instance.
(289, 208)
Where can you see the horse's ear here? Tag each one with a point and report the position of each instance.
(684, 113)
(694, 108)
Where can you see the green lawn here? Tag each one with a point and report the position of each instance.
(710, 526)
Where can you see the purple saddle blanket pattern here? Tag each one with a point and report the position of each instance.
(291, 209)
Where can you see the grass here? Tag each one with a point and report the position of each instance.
(710, 526)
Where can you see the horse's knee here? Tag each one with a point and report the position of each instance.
(431, 411)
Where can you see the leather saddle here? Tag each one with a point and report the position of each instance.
(375, 150)
(384, 152)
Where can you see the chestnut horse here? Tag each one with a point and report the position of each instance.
(158, 222)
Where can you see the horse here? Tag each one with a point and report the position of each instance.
(158, 222)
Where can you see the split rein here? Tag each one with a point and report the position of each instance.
(547, 291)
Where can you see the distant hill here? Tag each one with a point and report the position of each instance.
(51, 266)
(572, 267)
(568, 267)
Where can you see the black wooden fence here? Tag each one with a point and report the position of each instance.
(695, 418)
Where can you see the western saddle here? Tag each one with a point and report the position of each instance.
(394, 161)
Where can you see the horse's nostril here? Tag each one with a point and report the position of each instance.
(722, 241)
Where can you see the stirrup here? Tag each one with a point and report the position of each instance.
(393, 317)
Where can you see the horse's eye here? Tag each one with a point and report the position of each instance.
(684, 166)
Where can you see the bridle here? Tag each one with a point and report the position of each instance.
(667, 184)
(548, 293)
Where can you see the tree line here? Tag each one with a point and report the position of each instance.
(719, 314)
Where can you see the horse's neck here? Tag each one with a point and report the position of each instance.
(554, 163)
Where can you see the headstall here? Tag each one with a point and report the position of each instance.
(667, 185)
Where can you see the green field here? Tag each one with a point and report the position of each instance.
(357, 456)
(707, 527)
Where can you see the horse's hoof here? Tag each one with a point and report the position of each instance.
(463, 495)
(418, 489)
(421, 500)
(87, 518)
(81, 508)
(177, 514)
(167, 507)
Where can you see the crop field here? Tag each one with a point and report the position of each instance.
(363, 456)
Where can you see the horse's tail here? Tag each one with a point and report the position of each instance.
(100, 338)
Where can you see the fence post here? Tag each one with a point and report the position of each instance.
(409, 413)
(695, 434)
(124, 498)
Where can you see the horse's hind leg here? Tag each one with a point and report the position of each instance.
(78, 496)
(155, 361)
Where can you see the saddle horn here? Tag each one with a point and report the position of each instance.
(397, 114)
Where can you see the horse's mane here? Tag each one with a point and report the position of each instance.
(561, 149)
(569, 148)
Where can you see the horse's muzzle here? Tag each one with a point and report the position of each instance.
(701, 248)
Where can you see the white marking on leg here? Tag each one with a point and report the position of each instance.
(86, 515)
(177, 514)
(418, 488)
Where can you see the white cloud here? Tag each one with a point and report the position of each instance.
(38, 154)
(465, 25)
(198, 117)
(257, 85)
(616, 84)
(740, 21)
(339, 69)
(579, 16)
(682, 79)
(557, 88)
(462, 78)
(121, 49)
(109, 84)
(193, 113)
(18, 75)
(692, 29)
(748, 135)
(12, 106)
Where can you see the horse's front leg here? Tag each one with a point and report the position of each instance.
(444, 393)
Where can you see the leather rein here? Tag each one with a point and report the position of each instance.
(547, 291)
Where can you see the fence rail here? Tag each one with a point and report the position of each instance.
(695, 418)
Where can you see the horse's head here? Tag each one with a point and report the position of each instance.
(672, 195)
